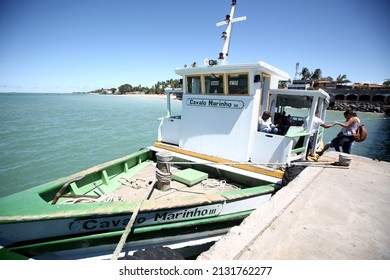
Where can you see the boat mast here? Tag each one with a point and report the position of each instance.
(223, 56)
(296, 71)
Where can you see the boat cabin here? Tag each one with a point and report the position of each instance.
(222, 104)
(221, 107)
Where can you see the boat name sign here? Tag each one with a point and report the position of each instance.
(216, 103)
(146, 219)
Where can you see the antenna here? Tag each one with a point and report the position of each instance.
(296, 71)
(226, 34)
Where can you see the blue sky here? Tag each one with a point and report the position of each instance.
(75, 45)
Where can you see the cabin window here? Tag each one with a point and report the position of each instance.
(194, 85)
(214, 84)
(238, 83)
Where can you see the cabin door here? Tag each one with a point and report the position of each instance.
(264, 100)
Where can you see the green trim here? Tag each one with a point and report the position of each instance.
(6, 254)
(297, 134)
(41, 211)
(298, 150)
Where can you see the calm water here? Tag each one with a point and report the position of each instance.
(47, 136)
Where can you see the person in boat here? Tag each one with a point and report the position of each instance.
(345, 137)
(265, 123)
(317, 123)
(283, 122)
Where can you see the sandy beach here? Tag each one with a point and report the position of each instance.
(140, 95)
(137, 95)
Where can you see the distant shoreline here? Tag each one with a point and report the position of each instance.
(132, 95)
(138, 95)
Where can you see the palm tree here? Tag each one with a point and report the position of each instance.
(317, 74)
(305, 73)
(283, 84)
(175, 83)
(342, 79)
(329, 78)
(386, 82)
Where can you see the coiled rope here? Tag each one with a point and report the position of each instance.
(163, 177)
(107, 197)
(163, 174)
(215, 183)
(135, 184)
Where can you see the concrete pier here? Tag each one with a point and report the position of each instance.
(327, 213)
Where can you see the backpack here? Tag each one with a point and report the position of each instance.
(361, 134)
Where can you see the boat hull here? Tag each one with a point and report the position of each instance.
(41, 228)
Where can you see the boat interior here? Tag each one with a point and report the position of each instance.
(138, 176)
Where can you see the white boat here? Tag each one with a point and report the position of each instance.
(221, 106)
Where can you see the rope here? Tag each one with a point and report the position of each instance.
(135, 184)
(281, 165)
(127, 230)
(164, 157)
(227, 163)
(163, 177)
(306, 163)
(215, 183)
(107, 197)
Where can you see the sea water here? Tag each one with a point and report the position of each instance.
(377, 144)
(47, 136)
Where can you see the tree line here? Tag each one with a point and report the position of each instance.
(317, 75)
(157, 88)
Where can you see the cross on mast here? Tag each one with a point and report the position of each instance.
(229, 20)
